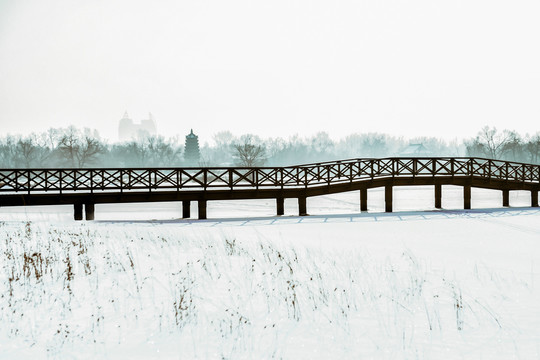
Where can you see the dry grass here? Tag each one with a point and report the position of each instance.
(96, 290)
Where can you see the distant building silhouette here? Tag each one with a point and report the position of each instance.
(415, 150)
(128, 130)
(191, 149)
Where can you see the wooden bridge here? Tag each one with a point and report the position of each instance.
(87, 187)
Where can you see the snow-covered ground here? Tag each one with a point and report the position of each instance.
(415, 284)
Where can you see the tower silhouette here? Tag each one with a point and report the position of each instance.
(191, 149)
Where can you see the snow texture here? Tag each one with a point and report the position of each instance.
(414, 284)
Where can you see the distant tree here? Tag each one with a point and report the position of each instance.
(221, 152)
(532, 148)
(31, 152)
(489, 142)
(374, 145)
(8, 158)
(513, 148)
(79, 149)
(249, 152)
(321, 143)
(152, 151)
(162, 152)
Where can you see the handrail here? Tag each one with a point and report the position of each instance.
(94, 180)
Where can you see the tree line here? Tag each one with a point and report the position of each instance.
(79, 148)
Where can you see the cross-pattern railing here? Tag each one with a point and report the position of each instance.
(328, 173)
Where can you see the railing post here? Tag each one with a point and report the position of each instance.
(28, 181)
(328, 174)
(230, 178)
(257, 179)
(506, 197)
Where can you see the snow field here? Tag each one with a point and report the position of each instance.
(389, 286)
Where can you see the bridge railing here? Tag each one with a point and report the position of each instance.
(210, 178)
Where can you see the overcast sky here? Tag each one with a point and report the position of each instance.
(273, 68)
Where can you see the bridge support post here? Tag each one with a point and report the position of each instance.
(302, 207)
(388, 198)
(534, 198)
(280, 206)
(363, 199)
(77, 210)
(89, 210)
(467, 197)
(506, 197)
(202, 209)
(438, 196)
(186, 209)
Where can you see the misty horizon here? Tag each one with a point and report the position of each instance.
(276, 69)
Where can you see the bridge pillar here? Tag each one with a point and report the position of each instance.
(363, 199)
(467, 197)
(202, 209)
(302, 207)
(506, 197)
(280, 205)
(388, 198)
(438, 196)
(186, 209)
(77, 209)
(534, 198)
(89, 210)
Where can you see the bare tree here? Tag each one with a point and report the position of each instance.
(532, 147)
(321, 143)
(248, 151)
(513, 148)
(8, 152)
(79, 149)
(489, 142)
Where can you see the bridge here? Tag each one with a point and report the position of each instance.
(83, 188)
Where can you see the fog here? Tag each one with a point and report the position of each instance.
(272, 69)
(77, 148)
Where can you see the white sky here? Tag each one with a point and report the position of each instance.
(274, 68)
